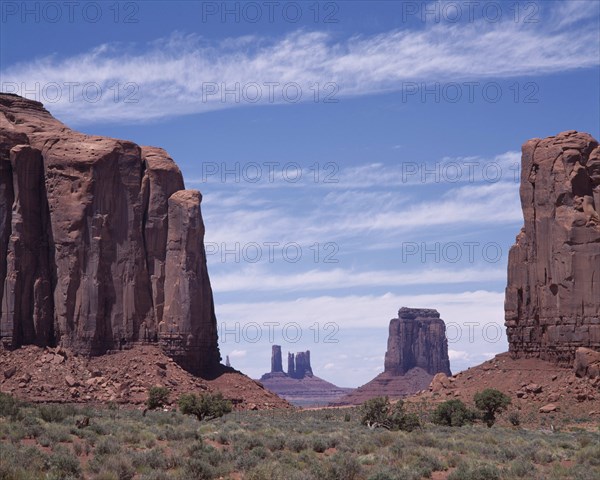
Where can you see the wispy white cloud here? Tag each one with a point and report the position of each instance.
(238, 353)
(176, 75)
(452, 171)
(256, 278)
(367, 311)
(334, 217)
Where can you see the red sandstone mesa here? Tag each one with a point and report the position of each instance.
(100, 245)
(417, 350)
(552, 304)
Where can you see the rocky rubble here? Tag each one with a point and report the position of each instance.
(534, 385)
(587, 363)
(60, 375)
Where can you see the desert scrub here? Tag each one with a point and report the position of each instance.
(21, 462)
(108, 446)
(288, 446)
(63, 464)
(475, 471)
(149, 460)
(275, 443)
(10, 407)
(589, 455)
(52, 413)
(378, 412)
(318, 444)
(521, 468)
(296, 443)
(343, 466)
(119, 465)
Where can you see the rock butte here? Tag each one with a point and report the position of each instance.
(417, 350)
(552, 304)
(299, 385)
(298, 364)
(101, 247)
(417, 338)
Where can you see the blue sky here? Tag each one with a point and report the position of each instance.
(354, 157)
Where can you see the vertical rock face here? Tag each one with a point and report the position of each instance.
(552, 303)
(417, 338)
(100, 246)
(276, 361)
(162, 179)
(291, 365)
(302, 368)
(188, 330)
(29, 307)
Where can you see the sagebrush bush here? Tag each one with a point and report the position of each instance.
(52, 413)
(9, 406)
(475, 471)
(453, 413)
(514, 418)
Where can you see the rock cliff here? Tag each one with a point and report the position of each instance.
(276, 362)
(417, 338)
(552, 303)
(299, 365)
(101, 247)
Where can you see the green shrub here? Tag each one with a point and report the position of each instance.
(378, 412)
(205, 407)
(319, 445)
(296, 444)
(9, 406)
(158, 397)
(64, 464)
(491, 402)
(375, 412)
(114, 466)
(453, 413)
(153, 459)
(275, 443)
(478, 471)
(522, 468)
(343, 467)
(108, 446)
(52, 413)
